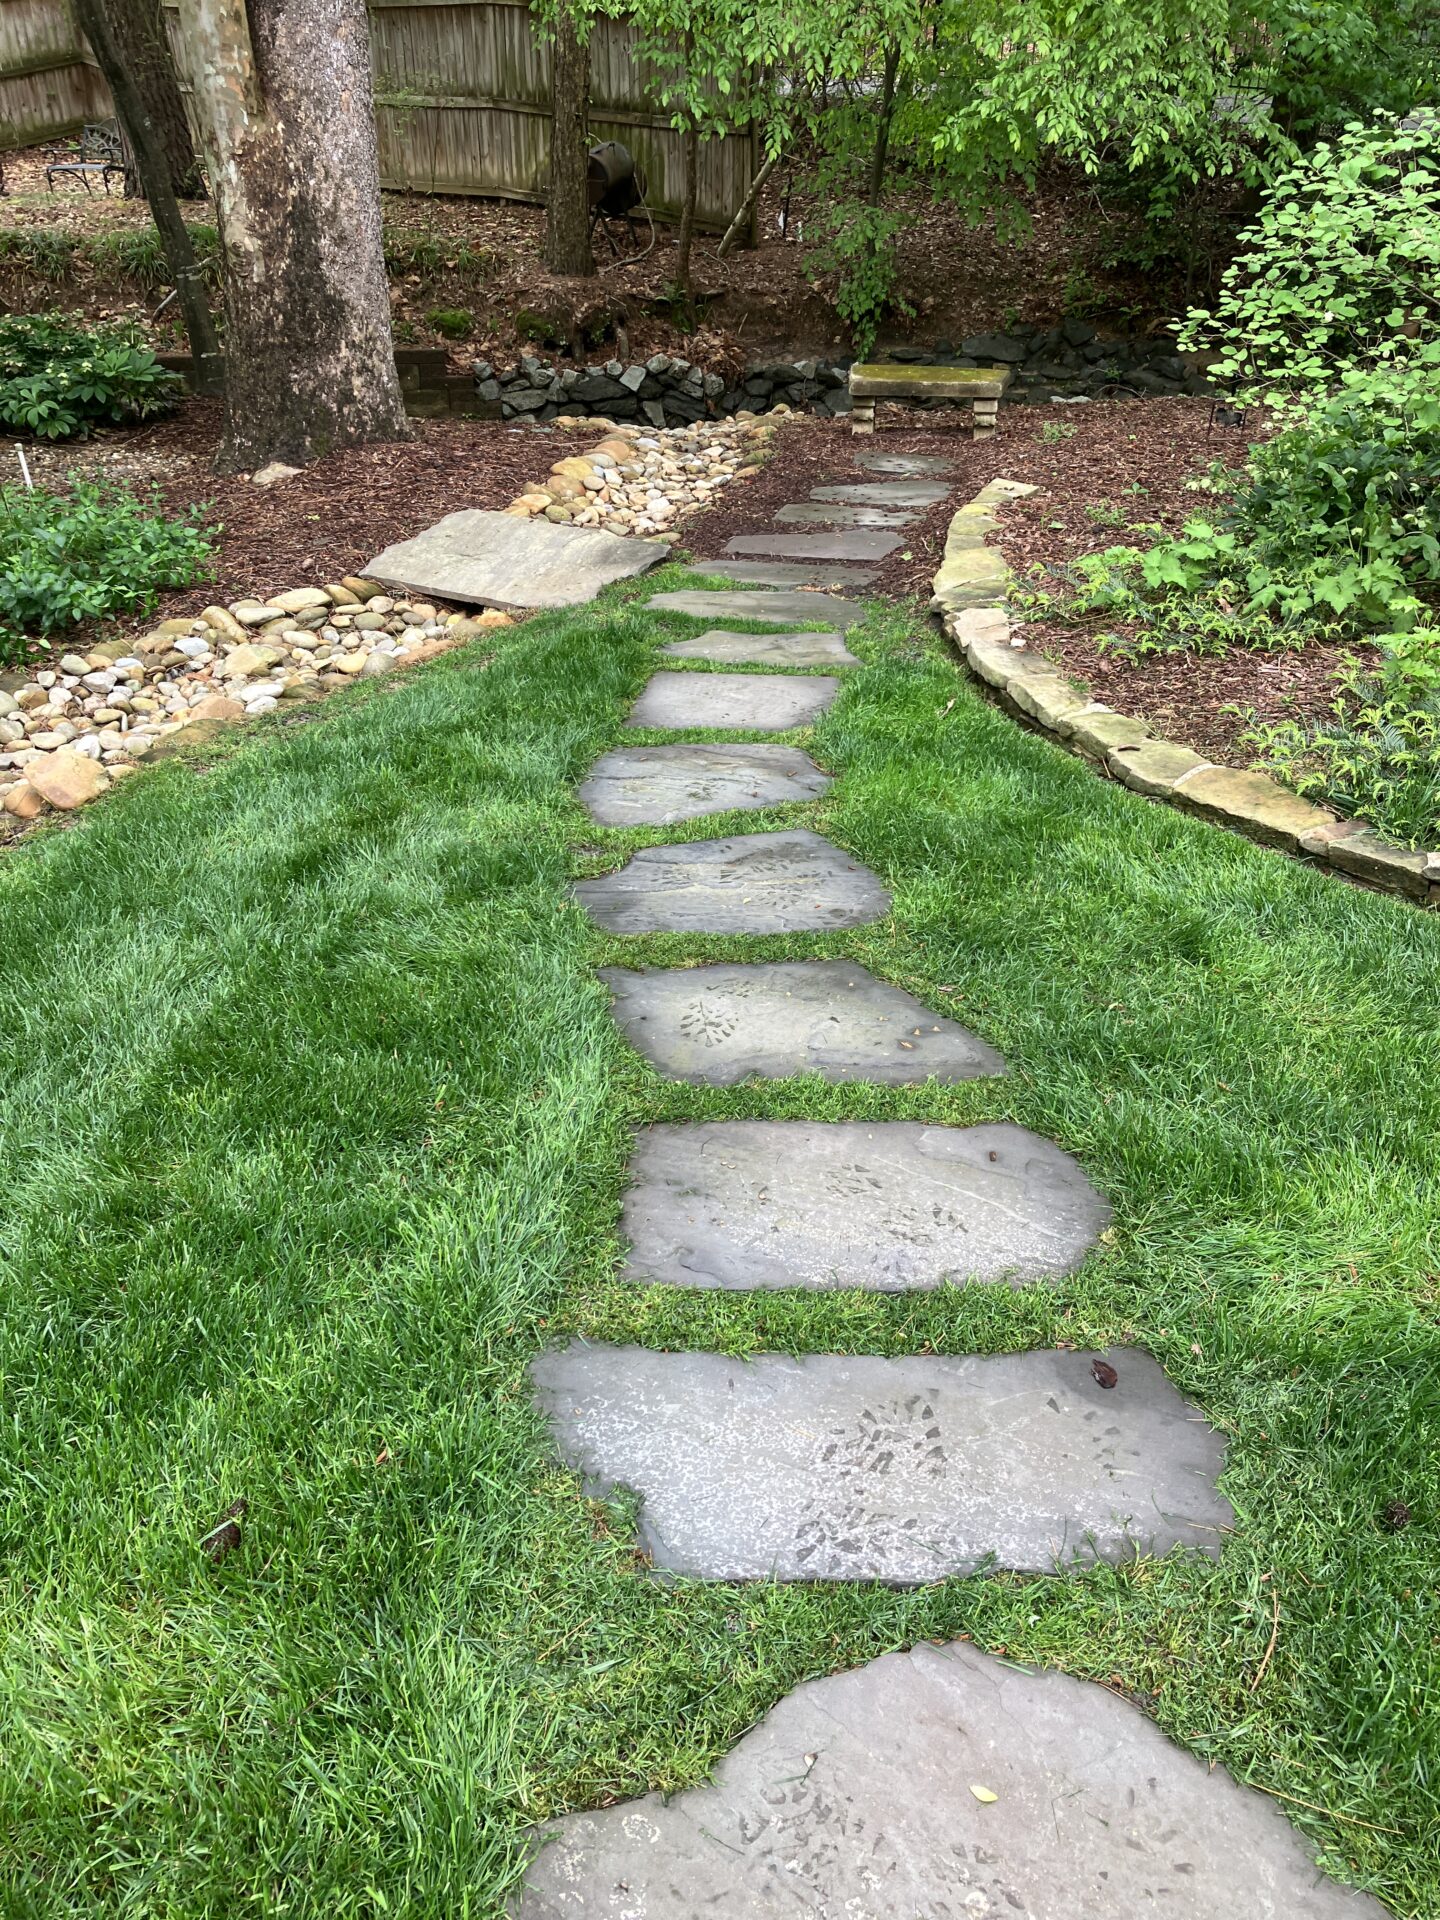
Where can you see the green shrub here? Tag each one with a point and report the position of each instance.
(95, 551)
(858, 247)
(451, 323)
(57, 380)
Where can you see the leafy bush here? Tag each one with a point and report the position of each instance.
(57, 379)
(858, 247)
(95, 551)
(1378, 755)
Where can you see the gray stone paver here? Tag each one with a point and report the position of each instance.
(764, 649)
(789, 573)
(884, 493)
(718, 1025)
(792, 882)
(777, 609)
(497, 560)
(904, 465)
(840, 543)
(856, 1799)
(886, 1206)
(905, 1470)
(820, 513)
(755, 701)
(656, 786)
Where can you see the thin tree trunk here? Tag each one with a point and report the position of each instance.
(881, 152)
(289, 128)
(138, 29)
(152, 163)
(747, 205)
(686, 239)
(567, 207)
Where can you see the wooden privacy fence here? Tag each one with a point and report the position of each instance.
(48, 85)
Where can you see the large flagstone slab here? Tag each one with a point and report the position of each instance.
(499, 560)
(884, 493)
(718, 1025)
(655, 786)
(765, 649)
(768, 702)
(840, 543)
(888, 1206)
(821, 513)
(789, 573)
(942, 1784)
(795, 882)
(778, 609)
(903, 465)
(906, 1470)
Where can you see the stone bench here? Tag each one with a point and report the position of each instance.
(981, 386)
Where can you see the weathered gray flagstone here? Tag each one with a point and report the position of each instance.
(498, 560)
(906, 1470)
(904, 465)
(888, 1206)
(776, 609)
(820, 513)
(795, 882)
(718, 1025)
(765, 649)
(942, 1784)
(841, 543)
(757, 701)
(788, 573)
(884, 493)
(655, 786)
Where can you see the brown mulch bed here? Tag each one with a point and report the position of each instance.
(1078, 458)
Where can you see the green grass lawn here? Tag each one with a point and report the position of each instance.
(315, 1129)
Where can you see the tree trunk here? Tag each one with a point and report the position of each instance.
(138, 29)
(747, 206)
(687, 209)
(289, 132)
(881, 151)
(153, 159)
(567, 207)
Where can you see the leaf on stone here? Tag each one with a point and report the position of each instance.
(984, 1795)
(224, 1539)
(1104, 1373)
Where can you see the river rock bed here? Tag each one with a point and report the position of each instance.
(641, 482)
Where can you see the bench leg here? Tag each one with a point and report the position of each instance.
(987, 418)
(862, 417)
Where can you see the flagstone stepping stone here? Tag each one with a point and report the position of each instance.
(768, 701)
(718, 1025)
(497, 560)
(778, 609)
(654, 786)
(889, 1206)
(837, 1467)
(942, 1784)
(884, 493)
(906, 465)
(765, 649)
(788, 573)
(842, 543)
(819, 513)
(795, 882)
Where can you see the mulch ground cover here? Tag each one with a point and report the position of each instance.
(1126, 457)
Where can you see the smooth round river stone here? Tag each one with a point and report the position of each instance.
(718, 1025)
(765, 649)
(907, 1470)
(756, 702)
(744, 1204)
(942, 1783)
(654, 786)
(796, 882)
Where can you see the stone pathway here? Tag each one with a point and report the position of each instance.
(939, 1782)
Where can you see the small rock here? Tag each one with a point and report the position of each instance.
(361, 588)
(350, 663)
(72, 663)
(272, 474)
(24, 801)
(246, 662)
(66, 778)
(253, 613)
(217, 706)
(224, 623)
(8, 703)
(368, 622)
(342, 596)
(300, 600)
(376, 663)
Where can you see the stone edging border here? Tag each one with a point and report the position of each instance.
(968, 594)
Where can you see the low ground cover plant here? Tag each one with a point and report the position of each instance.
(95, 551)
(58, 380)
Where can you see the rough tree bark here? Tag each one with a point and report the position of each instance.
(880, 153)
(138, 27)
(288, 126)
(686, 238)
(567, 206)
(153, 159)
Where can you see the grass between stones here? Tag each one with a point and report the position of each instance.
(316, 1127)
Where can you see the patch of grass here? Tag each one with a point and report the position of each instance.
(316, 1127)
